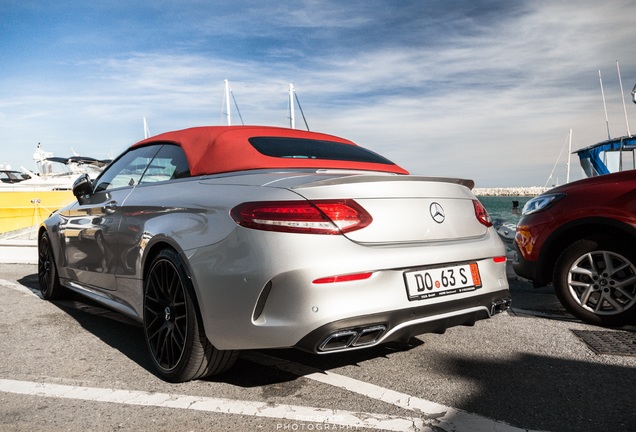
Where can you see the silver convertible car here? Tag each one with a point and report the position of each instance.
(221, 239)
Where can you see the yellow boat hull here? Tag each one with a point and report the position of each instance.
(24, 209)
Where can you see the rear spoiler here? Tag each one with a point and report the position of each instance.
(363, 178)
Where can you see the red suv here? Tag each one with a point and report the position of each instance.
(581, 237)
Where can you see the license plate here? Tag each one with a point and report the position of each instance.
(441, 281)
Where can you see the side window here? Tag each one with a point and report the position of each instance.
(128, 169)
(169, 163)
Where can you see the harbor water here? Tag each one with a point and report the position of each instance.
(502, 208)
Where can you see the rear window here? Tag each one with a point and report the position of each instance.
(300, 148)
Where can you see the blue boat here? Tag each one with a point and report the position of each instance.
(614, 155)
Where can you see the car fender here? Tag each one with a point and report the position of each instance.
(574, 230)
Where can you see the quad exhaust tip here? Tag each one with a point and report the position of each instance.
(500, 306)
(359, 337)
(352, 338)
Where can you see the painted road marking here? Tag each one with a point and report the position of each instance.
(440, 416)
(292, 414)
(437, 417)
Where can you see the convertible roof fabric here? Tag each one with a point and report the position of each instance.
(221, 149)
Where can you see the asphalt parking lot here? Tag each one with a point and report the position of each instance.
(74, 366)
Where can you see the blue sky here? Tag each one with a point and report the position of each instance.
(475, 89)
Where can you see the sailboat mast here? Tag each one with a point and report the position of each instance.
(292, 119)
(567, 171)
(604, 106)
(620, 80)
(227, 102)
(146, 130)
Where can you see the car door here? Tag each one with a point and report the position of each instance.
(92, 227)
(150, 199)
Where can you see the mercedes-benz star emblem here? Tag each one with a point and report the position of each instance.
(437, 213)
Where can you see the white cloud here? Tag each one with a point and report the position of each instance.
(489, 96)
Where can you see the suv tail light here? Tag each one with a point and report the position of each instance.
(481, 214)
(310, 217)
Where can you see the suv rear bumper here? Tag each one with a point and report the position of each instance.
(527, 269)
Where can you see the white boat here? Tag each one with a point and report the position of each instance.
(10, 176)
(29, 197)
(506, 232)
(55, 173)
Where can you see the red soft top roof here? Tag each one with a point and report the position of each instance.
(219, 149)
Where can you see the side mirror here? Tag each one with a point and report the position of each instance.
(634, 93)
(82, 187)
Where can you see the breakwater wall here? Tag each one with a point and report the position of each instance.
(510, 191)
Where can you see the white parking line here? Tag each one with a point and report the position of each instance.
(440, 416)
(290, 413)
(437, 417)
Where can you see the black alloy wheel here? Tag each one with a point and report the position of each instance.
(172, 326)
(595, 280)
(48, 279)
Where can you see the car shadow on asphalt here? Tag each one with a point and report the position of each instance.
(546, 393)
(113, 328)
(126, 336)
(249, 373)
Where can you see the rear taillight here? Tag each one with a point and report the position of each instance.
(310, 217)
(481, 214)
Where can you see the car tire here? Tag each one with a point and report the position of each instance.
(595, 280)
(48, 279)
(173, 327)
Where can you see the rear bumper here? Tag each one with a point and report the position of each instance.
(401, 325)
(259, 293)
